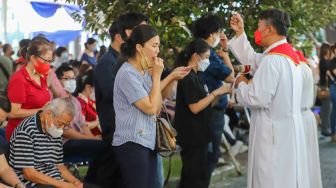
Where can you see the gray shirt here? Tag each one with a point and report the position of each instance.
(132, 125)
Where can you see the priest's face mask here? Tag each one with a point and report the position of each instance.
(263, 33)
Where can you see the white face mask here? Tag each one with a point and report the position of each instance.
(70, 85)
(216, 42)
(53, 131)
(93, 95)
(203, 65)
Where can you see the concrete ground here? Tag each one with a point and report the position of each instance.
(328, 168)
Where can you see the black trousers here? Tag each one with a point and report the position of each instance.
(106, 173)
(194, 167)
(138, 165)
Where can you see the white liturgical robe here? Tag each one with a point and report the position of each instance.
(310, 127)
(277, 147)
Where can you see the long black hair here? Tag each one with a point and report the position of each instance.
(198, 46)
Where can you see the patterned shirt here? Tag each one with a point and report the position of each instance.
(132, 125)
(31, 148)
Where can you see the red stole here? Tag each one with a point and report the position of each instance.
(286, 50)
(301, 57)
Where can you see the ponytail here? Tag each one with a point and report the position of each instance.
(198, 46)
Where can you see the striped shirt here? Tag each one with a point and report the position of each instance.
(31, 148)
(132, 125)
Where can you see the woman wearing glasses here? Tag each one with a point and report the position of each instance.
(28, 89)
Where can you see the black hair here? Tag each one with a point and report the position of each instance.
(113, 30)
(37, 46)
(65, 67)
(325, 48)
(129, 21)
(23, 47)
(89, 42)
(74, 63)
(278, 19)
(5, 47)
(4, 102)
(60, 50)
(140, 35)
(207, 24)
(24, 43)
(82, 81)
(198, 46)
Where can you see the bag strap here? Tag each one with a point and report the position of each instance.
(166, 112)
(6, 73)
(169, 170)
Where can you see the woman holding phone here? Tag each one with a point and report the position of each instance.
(193, 102)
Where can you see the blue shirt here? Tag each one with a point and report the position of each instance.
(132, 125)
(213, 76)
(104, 76)
(89, 59)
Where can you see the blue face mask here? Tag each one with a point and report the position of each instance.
(94, 48)
(65, 57)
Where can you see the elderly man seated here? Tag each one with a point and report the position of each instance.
(36, 152)
(6, 173)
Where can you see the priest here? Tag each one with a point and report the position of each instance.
(277, 153)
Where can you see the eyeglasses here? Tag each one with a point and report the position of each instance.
(46, 60)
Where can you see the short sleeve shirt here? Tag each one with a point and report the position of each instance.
(22, 89)
(30, 147)
(91, 60)
(88, 108)
(132, 125)
(192, 128)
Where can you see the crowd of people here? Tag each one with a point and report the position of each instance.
(103, 108)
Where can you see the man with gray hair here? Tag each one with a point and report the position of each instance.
(36, 151)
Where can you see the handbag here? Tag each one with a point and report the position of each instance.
(165, 135)
(323, 92)
(165, 139)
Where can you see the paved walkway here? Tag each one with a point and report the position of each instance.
(328, 166)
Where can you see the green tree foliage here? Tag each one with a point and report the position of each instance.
(173, 18)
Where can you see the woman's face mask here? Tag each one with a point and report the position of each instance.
(65, 57)
(203, 64)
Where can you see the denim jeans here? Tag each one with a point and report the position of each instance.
(160, 177)
(325, 114)
(333, 112)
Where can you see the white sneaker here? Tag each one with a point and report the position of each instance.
(243, 149)
(221, 161)
(236, 148)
